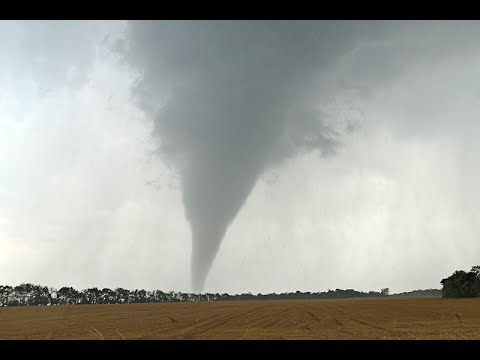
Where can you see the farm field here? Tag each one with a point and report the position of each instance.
(392, 318)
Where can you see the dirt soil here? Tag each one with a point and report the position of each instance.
(392, 318)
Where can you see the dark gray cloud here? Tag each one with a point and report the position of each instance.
(231, 99)
(230, 102)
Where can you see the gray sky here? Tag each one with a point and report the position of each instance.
(340, 154)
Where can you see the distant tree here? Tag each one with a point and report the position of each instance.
(159, 296)
(461, 285)
(141, 296)
(91, 296)
(476, 270)
(107, 296)
(2, 295)
(150, 297)
(417, 293)
(121, 295)
(40, 295)
(5, 295)
(31, 295)
(68, 296)
(52, 295)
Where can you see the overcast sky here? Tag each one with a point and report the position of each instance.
(348, 153)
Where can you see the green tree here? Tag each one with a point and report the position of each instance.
(5, 295)
(476, 270)
(90, 296)
(68, 296)
(121, 295)
(461, 285)
(107, 296)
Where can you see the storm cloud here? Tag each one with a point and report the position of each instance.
(231, 99)
(366, 129)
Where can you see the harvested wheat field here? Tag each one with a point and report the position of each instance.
(394, 318)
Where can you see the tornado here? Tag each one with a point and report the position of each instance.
(231, 99)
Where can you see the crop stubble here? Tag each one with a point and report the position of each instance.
(392, 318)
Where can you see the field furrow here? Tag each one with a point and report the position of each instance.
(391, 318)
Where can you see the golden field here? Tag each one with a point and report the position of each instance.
(391, 318)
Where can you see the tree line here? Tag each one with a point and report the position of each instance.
(462, 284)
(37, 295)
